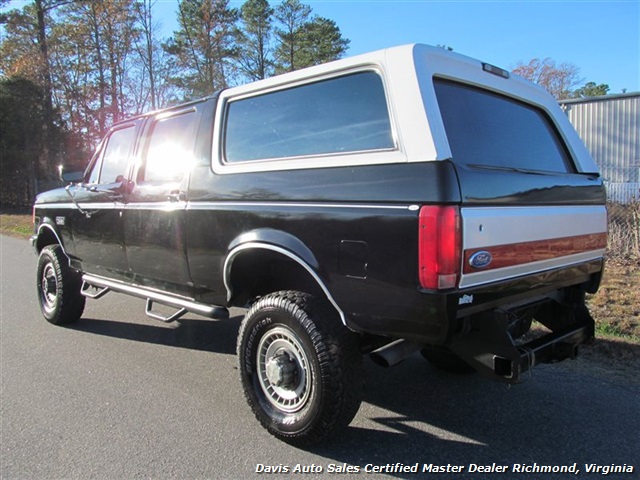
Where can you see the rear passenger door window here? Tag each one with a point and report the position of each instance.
(335, 116)
(154, 219)
(169, 152)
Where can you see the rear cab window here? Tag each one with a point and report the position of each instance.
(489, 130)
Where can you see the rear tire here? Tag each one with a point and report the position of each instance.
(301, 369)
(58, 287)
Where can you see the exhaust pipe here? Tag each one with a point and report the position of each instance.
(394, 352)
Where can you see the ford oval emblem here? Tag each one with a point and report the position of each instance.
(480, 259)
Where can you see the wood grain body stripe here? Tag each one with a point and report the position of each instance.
(528, 252)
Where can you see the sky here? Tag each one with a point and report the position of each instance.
(602, 38)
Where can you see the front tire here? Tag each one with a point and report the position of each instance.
(301, 369)
(58, 287)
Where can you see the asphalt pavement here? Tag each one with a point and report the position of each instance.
(121, 396)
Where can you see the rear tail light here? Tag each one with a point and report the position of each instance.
(440, 245)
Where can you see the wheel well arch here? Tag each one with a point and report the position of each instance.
(255, 269)
(47, 236)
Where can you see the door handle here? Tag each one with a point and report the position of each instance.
(177, 196)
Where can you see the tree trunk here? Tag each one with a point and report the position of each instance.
(47, 93)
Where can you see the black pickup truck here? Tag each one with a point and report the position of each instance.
(410, 199)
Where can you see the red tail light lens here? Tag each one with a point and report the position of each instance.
(440, 247)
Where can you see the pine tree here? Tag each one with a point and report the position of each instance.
(254, 39)
(203, 47)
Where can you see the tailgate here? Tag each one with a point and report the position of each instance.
(529, 204)
(501, 243)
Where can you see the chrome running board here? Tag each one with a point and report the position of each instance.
(184, 305)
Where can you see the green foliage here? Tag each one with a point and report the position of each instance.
(19, 53)
(321, 42)
(21, 139)
(590, 89)
(254, 39)
(202, 46)
(302, 40)
(292, 16)
(20, 117)
(95, 42)
(80, 65)
(3, 15)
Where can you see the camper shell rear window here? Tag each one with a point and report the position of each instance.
(486, 129)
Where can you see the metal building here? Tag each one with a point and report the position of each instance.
(610, 128)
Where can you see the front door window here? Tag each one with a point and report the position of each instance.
(111, 167)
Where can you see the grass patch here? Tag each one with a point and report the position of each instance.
(616, 306)
(16, 225)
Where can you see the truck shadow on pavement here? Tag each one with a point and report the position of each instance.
(188, 332)
(415, 414)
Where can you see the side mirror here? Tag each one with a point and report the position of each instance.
(71, 176)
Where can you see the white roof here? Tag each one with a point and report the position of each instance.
(408, 72)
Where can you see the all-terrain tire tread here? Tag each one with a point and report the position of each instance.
(338, 356)
(71, 302)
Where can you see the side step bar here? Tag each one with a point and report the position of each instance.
(184, 305)
(163, 318)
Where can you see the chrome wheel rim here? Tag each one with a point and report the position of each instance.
(49, 287)
(283, 370)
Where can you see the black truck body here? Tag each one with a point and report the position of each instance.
(409, 199)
